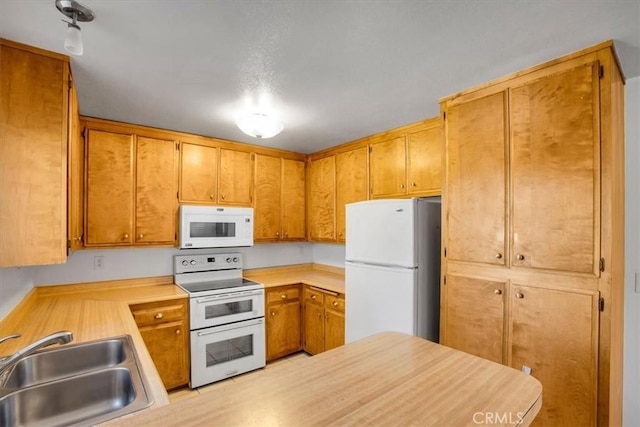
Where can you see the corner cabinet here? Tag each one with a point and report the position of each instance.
(34, 132)
(532, 230)
(323, 319)
(352, 184)
(279, 199)
(321, 206)
(130, 194)
(165, 330)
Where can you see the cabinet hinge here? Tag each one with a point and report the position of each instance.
(601, 304)
(445, 252)
(70, 83)
(601, 71)
(444, 115)
(177, 194)
(178, 146)
(175, 236)
(370, 149)
(445, 280)
(84, 132)
(601, 264)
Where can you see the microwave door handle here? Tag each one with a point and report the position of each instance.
(219, 329)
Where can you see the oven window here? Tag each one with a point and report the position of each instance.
(212, 229)
(226, 309)
(231, 349)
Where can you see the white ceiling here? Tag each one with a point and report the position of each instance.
(333, 71)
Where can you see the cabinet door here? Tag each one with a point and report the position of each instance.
(109, 192)
(473, 317)
(156, 206)
(75, 221)
(236, 178)
(167, 346)
(351, 184)
(198, 173)
(555, 171)
(293, 200)
(388, 167)
(476, 180)
(267, 205)
(555, 334)
(283, 329)
(333, 329)
(322, 199)
(424, 161)
(313, 328)
(33, 152)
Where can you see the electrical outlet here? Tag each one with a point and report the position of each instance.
(98, 262)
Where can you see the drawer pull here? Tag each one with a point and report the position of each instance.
(158, 316)
(497, 291)
(519, 295)
(178, 332)
(125, 236)
(498, 255)
(520, 257)
(211, 196)
(335, 303)
(283, 296)
(314, 296)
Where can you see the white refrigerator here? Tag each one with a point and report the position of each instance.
(393, 267)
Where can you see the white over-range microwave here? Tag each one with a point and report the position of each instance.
(215, 227)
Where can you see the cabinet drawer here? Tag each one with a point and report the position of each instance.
(334, 302)
(160, 314)
(283, 294)
(314, 296)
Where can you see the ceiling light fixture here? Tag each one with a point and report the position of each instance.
(259, 125)
(77, 12)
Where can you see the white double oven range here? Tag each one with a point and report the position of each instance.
(226, 316)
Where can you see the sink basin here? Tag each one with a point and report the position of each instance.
(59, 363)
(81, 384)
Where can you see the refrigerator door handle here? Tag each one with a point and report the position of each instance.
(370, 264)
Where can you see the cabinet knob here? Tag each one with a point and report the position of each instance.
(319, 315)
(178, 332)
(413, 184)
(283, 296)
(498, 255)
(140, 236)
(158, 316)
(401, 185)
(520, 257)
(223, 197)
(497, 291)
(519, 295)
(126, 236)
(277, 234)
(335, 303)
(211, 196)
(313, 296)
(273, 313)
(286, 234)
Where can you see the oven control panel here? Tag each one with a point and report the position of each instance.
(206, 262)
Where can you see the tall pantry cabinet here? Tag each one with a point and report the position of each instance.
(533, 239)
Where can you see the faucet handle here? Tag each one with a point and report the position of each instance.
(8, 337)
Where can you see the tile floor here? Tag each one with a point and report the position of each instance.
(185, 393)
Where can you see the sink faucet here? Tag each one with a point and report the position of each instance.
(62, 337)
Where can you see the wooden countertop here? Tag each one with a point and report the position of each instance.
(90, 311)
(322, 276)
(387, 379)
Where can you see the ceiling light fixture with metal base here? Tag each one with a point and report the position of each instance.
(77, 12)
(259, 125)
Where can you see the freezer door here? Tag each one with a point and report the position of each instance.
(379, 299)
(382, 232)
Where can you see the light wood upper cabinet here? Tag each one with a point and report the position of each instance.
(555, 171)
(351, 184)
(321, 207)
(121, 210)
(476, 180)
(75, 170)
(293, 199)
(555, 334)
(424, 160)
(236, 178)
(474, 311)
(109, 188)
(198, 173)
(34, 85)
(156, 202)
(388, 171)
(268, 204)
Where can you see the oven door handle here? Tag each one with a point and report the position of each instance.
(228, 296)
(219, 329)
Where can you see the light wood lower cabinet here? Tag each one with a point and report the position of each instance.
(283, 320)
(323, 319)
(164, 327)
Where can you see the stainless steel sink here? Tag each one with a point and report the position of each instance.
(82, 384)
(59, 363)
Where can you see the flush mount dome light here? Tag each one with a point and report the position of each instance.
(259, 125)
(77, 12)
